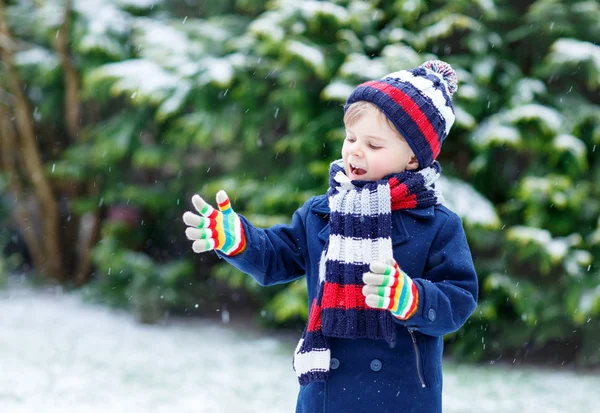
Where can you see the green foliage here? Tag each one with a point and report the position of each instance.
(131, 279)
(247, 96)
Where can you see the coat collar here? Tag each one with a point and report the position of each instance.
(399, 233)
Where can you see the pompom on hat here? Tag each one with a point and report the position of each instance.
(419, 104)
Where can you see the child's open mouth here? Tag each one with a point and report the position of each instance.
(357, 171)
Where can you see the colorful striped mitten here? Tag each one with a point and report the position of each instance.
(388, 287)
(221, 230)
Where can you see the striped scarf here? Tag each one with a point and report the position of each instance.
(360, 233)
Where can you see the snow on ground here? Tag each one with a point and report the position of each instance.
(60, 355)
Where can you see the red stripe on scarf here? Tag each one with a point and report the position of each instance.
(413, 110)
(314, 320)
(343, 296)
(400, 197)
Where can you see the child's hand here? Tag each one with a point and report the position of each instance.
(389, 288)
(221, 230)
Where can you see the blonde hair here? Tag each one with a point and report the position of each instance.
(356, 110)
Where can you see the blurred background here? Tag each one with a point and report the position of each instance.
(113, 113)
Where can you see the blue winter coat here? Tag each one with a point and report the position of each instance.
(372, 375)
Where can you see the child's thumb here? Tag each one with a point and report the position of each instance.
(223, 201)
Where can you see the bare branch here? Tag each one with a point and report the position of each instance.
(31, 159)
(70, 74)
(8, 143)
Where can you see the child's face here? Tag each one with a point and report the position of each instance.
(372, 149)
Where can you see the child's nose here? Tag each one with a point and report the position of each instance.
(357, 150)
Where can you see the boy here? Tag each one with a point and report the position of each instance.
(388, 268)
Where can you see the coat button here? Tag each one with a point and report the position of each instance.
(376, 365)
(431, 314)
(334, 364)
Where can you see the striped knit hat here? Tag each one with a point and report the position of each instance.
(419, 104)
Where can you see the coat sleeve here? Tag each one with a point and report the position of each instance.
(449, 287)
(274, 255)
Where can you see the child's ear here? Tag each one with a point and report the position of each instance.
(413, 164)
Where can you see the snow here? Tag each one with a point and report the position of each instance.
(212, 30)
(572, 144)
(268, 25)
(161, 43)
(311, 55)
(175, 101)
(139, 4)
(446, 26)
(217, 70)
(337, 90)
(491, 132)
(577, 261)
(549, 118)
(464, 118)
(140, 77)
(526, 90)
(470, 205)
(488, 7)
(39, 57)
(394, 54)
(467, 91)
(555, 248)
(484, 68)
(397, 35)
(285, 13)
(571, 51)
(60, 355)
(359, 66)
(311, 9)
(588, 301)
(106, 24)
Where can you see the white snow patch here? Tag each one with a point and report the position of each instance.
(468, 91)
(310, 9)
(59, 355)
(139, 4)
(268, 25)
(493, 132)
(106, 24)
(338, 91)
(448, 25)
(470, 205)
(309, 54)
(526, 90)
(37, 56)
(159, 41)
(572, 144)
(572, 51)
(555, 248)
(464, 118)
(145, 78)
(217, 70)
(549, 118)
(395, 53)
(360, 66)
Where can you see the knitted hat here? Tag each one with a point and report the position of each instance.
(419, 104)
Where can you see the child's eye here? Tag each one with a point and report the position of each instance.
(350, 139)
(374, 146)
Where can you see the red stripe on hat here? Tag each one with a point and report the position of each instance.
(413, 110)
(343, 296)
